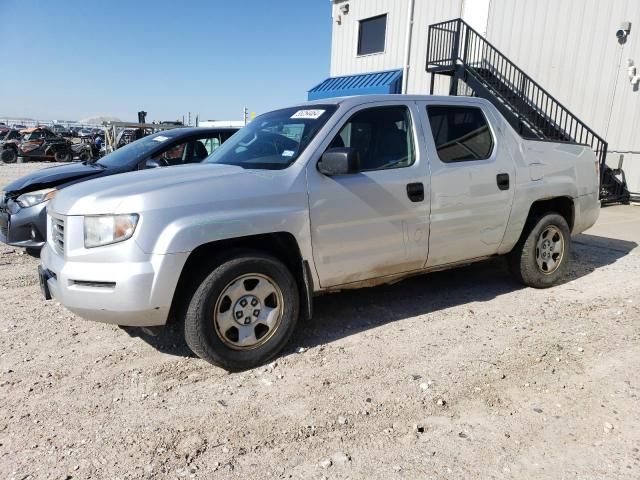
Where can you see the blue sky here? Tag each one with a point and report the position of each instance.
(73, 59)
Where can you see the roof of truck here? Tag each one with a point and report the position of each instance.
(360, 99)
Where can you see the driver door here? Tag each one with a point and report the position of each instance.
(373, 222)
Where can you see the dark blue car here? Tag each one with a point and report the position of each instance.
(23, 202)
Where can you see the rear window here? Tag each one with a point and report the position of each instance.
(460, 133)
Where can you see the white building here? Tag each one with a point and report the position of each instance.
(583, 52)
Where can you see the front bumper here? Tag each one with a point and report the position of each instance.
(116, 284)
(23, 227)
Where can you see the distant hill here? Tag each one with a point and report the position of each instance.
(98, 119)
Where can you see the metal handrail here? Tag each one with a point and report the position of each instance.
(454, 43)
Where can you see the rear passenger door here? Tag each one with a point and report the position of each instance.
(472, 181)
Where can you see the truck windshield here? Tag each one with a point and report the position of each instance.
(275, 140)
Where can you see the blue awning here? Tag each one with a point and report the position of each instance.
(363, 84)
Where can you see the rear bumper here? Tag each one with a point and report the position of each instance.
(133, 293)
(25, 227)
(587, 211)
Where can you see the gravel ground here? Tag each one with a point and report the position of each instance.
(459, 374)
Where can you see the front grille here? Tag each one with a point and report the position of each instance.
(57, 233)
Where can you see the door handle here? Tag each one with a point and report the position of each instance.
(415, 192)
(502, 179)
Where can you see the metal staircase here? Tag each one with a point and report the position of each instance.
(457, 50)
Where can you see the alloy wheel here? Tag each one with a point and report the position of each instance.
(248, 311)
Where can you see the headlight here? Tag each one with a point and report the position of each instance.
(106, 229)
(34, 198)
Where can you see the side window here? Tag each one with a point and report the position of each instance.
(172, 156)
(460, 133)
(211, 144)
(382, 136)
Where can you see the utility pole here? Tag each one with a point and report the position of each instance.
(245, 114)
(189, 118)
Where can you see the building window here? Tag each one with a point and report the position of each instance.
(372, 34)
(460, 133)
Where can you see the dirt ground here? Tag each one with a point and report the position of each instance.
(454, 375)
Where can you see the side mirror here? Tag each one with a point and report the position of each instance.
(151, 163)
(339, 161)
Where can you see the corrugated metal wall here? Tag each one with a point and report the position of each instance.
(344, 58)
(570, 48)
(427, 12)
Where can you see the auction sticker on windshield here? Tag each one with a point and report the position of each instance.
(161, 138)
(308, 114)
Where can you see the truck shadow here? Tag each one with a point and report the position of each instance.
(346, 313)
(343, 314)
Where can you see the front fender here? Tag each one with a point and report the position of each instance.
(187, 232)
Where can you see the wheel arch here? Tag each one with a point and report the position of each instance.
(281, 245)
(563, 205)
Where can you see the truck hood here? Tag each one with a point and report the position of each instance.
(154, 189)
(51, 177)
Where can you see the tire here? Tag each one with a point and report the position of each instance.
(33, 252)
(84, 157)
(8, 155)
(62, 156)
(216, 319)
(540, 258)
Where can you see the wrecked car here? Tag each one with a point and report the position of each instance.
(23, 202)
(41, 143)
(329, 195)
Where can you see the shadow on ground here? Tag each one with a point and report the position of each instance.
(339, 315)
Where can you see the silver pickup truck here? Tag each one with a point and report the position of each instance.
(322, 196)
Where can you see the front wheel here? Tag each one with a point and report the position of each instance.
(8, 155)
(540, 258)
(243, 313)
(33, 252)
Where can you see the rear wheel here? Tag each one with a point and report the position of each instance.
(243, 313)
(540, 258)
(8, 155)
